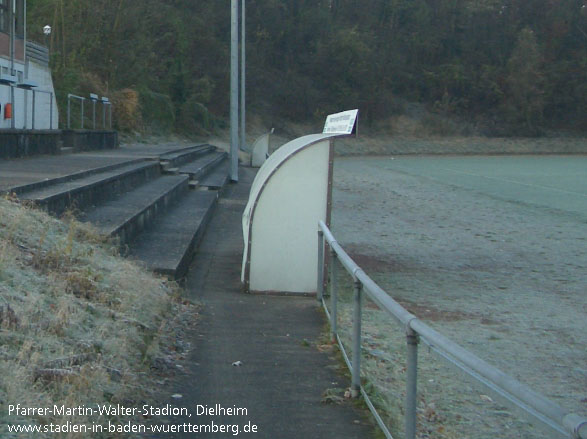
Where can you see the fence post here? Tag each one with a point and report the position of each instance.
(356, 373)
(320, 285)
(34, 104)
(68, 112)
(411, 383)
(333, 296)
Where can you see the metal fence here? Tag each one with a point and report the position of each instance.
(106, 104)
(528, 402)
(25, 105)
(35, 92)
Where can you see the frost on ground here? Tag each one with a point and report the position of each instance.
(79, 325)
(500, 274)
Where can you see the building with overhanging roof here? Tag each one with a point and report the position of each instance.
(27, 96)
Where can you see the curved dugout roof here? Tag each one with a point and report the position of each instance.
(270, 169)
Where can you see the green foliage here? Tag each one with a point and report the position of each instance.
(524, 82)
(194, 118)
(306, 58)
(158, 111)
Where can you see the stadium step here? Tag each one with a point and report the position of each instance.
(180, 157)
(147, 203)
(200, 167)
(132, 212)
(168, 246)
(218, 177)
(88, 188)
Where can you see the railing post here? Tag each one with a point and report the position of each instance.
(333, 296)
(356, 373)
(69, 112)
(320, 284)
(34, 105)
(26, 108)
(411, 383)
(13, 118)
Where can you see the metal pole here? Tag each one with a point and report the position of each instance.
(234, 140)
(333, 296)
(320, 280)
(26, 108)
(243, 138)
(94, 113)
(110, 112)
(356, 373)
(411, 384)
(12, 107)
(51, 111)
(82, 114)
(103, 115)
(69, 112)
(34, 105)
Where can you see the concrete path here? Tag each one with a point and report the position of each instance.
(23, 171)
(282, 374)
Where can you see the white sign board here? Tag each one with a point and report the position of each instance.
(341, 123)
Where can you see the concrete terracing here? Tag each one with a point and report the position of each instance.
(17, 172)
(127, 193)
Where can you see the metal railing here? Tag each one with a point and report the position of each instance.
(93, 98)
(35, 107)
(82, 100)
(531, 404)
(106, 103)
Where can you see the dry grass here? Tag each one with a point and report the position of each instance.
(68, 302)
(127, 109)
(450, 405)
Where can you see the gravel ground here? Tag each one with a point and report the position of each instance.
(491, 251)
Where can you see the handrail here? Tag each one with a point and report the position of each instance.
(33, 112)
(50, 107)
(80, 98)
(93, 98)
(521, 396)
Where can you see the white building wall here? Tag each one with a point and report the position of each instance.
(45, 101)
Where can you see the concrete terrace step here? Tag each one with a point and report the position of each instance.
(89, 188)
(132, 212)
(218, 178)
(26, 168)
(168, 246)
(183, 156)
(203, 165)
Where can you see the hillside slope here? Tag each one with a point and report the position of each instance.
(79, 325)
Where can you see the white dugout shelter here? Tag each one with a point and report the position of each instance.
(291, 192)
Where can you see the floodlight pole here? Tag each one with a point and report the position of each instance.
(234, 137)
(243, 86)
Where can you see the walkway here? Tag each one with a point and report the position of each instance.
(282, 375)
